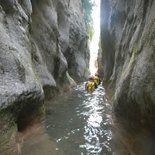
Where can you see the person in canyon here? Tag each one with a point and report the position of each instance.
(97, 79)
(90, 85)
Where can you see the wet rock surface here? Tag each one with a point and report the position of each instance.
(128, 43)
(36, 40)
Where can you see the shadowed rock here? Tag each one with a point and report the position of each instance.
(128, 44)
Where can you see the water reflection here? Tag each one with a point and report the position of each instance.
(81, 123)
(93, 133)
(77, 123)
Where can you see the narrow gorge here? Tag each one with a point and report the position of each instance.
(44, 60)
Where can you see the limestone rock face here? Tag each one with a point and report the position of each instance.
(100, 63)
(77, 53)
(42, 43)
(128, 44)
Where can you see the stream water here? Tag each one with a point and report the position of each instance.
(77, 123)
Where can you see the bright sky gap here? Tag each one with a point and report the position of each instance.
(94, 44)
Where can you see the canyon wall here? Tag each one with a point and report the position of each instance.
(128, 45)
(43, 50)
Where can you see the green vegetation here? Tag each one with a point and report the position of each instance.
(134, 50)
(87, 6)
(133, 55)
(90, 32)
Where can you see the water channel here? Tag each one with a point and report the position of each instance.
(77, 123)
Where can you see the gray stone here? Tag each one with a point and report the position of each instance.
(128, 44)
(35, 38)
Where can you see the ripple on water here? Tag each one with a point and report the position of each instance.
(79, 123)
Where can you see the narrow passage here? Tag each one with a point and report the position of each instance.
(77, 123)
